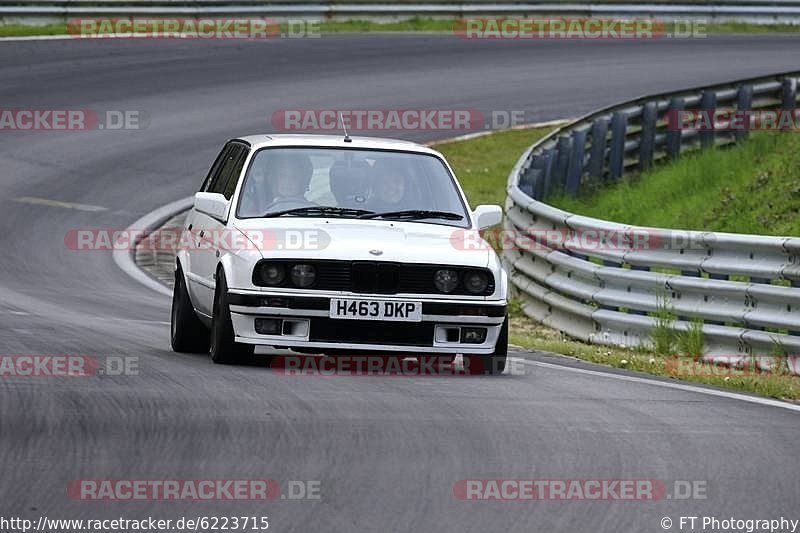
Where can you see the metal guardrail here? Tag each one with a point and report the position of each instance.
(602, 281)
(720, 10)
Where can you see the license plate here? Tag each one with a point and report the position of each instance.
(376, 310)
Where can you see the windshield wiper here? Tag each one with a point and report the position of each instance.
(320, 210)
(414, 214)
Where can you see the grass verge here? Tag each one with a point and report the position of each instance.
(413, 24)
(752, 188)
(531, 335)
(482, 165)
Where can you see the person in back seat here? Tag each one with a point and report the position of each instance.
(348, 183)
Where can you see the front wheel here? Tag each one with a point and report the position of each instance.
(494, 363)
(187, 333)
(224, 349)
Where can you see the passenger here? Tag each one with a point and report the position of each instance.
(390, 187)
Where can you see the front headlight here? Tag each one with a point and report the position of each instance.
(303, 275)
(445, 280)
(476, 281)
(272, 274)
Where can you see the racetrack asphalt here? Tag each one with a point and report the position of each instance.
(386, 450)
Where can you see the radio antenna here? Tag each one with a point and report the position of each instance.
(347, 138)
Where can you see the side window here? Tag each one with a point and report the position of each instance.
(220, 179)
(215, 168)
(236, 172)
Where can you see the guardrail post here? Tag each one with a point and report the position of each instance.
(789, 96)
(708, 103)
(575, 167)
(616, 156)
(597, 154)
(547, 171)
(744, 102)
(647, 136)
(674, 127)
(537, 167)
(527, 181)
(561, 163)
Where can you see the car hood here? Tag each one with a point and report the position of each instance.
(360, 240)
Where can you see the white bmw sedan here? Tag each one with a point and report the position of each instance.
(328, 244)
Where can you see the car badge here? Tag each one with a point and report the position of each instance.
(376, 252)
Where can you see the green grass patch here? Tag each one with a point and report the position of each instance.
(752, 188)
(747, 27)
(663, 334)
(414, 24)
(691, 343)
(21, 30)
(482, 164)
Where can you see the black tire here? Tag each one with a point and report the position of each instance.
(187, 333)
(224, 350)
(495, 363)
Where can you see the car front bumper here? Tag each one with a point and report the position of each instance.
(303, 322)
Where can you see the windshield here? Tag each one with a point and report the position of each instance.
(350, 183)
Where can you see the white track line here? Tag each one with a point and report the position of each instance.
(678, 386)
(475, 135)
(58, 203)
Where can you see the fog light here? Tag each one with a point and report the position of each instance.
(268, 326)
(473, 335)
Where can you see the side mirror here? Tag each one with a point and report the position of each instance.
(487, 216)
(212, 204)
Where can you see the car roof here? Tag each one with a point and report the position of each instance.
(334, 141)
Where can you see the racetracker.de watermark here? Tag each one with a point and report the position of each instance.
(177, 239)
(378, 119)
(733, 366)
(69, 366)
(192, 489)
(192, 28)
(578, 28)
(71, 119)
(732, 120)
(578, 240)
(388, 365)
(579, 489)
(464, 120)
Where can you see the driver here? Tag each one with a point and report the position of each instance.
(289, 176)
(278, 182)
